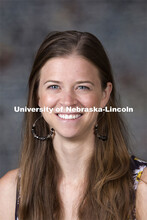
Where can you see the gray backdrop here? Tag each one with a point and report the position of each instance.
(120, 25)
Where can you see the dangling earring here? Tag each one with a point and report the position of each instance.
(39, 137)
(101, 137)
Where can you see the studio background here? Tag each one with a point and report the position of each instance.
(121, 26)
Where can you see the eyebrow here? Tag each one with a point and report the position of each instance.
(77, 82)
(55, 81)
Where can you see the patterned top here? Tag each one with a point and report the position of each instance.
(136, 165)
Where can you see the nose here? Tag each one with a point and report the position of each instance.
(68, 98)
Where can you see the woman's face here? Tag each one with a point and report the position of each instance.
(71, 81)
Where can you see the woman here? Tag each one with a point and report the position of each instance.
(74, 165)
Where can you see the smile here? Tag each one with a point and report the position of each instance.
(69, 116)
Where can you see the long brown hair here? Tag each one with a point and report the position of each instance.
(109, 193)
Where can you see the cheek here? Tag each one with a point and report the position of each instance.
(47, 101)
(89, 101)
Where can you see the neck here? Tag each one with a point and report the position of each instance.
(73, 157)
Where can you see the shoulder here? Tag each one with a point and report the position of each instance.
(141, 197)
(8, 184)
(9, 176)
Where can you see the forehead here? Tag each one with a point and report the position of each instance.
(73, 66)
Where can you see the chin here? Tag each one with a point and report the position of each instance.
(68, 134)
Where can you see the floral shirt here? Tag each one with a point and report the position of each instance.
(137, 167)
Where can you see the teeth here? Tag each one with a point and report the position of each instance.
(72, 116)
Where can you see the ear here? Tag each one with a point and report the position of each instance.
(106, 95)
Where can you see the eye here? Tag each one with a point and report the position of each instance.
(83, 88)
(53, 87)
